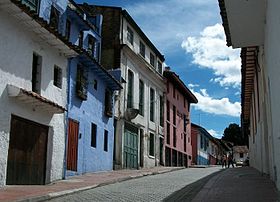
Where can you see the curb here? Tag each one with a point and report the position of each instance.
(53, 195)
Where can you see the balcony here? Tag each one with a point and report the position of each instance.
(32, 4)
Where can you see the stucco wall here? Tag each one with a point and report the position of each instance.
(181, 110)
(91, 159)
(17, 47)
(272, 59)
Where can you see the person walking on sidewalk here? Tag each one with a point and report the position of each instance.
(230, 160)
(224, 161)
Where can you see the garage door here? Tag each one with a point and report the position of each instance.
(27, 152)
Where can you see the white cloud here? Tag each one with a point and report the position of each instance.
(190, 85)
(209, 50)
(168, 22)
(214, 133)
(211, 105)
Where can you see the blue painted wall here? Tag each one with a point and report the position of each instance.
(89, 111)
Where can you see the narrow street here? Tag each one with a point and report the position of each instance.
(195, 184)
(149, 188)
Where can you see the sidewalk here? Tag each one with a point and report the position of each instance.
(75, 184)
(238, 184)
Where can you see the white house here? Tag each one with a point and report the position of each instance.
(33, 62)
(254, 27)
(139, 106)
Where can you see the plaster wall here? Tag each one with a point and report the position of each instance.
(91, 159)
(181, 110)
(272, 63)
(17, 47)
(131, 60)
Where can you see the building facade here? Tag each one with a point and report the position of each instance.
(33, 86)
(255, 29)
(205, 149)
(90, 129)
(177, 135)
(138, 112)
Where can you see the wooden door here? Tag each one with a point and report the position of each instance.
(130, 149)
(72, 146)
(27, 152)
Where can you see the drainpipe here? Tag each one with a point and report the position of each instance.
(66, 117)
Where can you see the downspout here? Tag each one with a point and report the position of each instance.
(66, 118)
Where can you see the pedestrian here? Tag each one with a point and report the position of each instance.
(224, 161)
(230, 160)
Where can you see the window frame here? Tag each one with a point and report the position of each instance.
(93, 142)
(152, 105)
(152, 59)
(152, 145)
(106, 139)
(57, 77)
(142, 49)
(130, 35)
(141, 97)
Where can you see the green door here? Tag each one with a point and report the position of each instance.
(130, 148)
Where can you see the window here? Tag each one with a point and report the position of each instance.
(185, 123)
(174, 136)
(159, 67)
(141, 97)
(130, 89)
(168, 133)
(81, 83)
(152, 59)
(54, 17)
(152, 142)
(174, 115)
(142, 49)
(81, 39)
(57, 76)
(93, 134)
(201, 142)
(32, 4)
(68, 29)
(152, 104)
(130, 35)
(95, 83)
(108, 103)
(241, 155)
(185, 142)
(105, 140)
(174, 91)
(167, 87)
(36, 73)
(168, 110)
(91, 45)
(97, 52)
(161, 110)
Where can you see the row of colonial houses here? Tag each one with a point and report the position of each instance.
(83, 89)
(254, 27)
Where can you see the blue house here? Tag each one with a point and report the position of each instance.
(90, 129)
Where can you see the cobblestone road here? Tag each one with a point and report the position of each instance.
(149, 188)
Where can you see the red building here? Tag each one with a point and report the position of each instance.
(177, 140)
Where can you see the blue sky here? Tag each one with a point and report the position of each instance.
(190, 35)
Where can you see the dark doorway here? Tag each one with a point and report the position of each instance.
(27, 152)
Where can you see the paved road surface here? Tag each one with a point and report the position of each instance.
(150, 188)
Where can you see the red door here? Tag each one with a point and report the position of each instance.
(27, 152)
(72, 147)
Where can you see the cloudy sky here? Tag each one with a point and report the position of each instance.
(190, 35)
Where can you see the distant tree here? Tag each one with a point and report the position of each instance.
(233, 134)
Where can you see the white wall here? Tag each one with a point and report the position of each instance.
(16, 53)
(130, 60)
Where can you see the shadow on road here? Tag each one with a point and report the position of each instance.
(187, 193)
